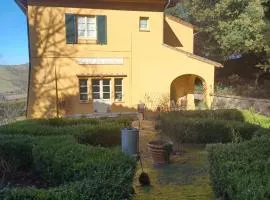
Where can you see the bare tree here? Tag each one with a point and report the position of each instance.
(10, 110)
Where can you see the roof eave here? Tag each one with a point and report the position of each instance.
(191, 55)
(22, 5)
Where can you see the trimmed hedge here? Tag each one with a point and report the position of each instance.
(112, 189)
(238, 170)
(75, 171)
(106, 135)
(222, 114)
(59, 126)
(15, 154)
(205, 130)
(263, 132)
(49, 148)
(241, 171)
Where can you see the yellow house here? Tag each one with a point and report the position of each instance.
(110, 55)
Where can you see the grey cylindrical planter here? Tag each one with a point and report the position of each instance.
(130, 141)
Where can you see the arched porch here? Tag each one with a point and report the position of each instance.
(188, 92)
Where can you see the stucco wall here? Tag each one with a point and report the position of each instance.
(178, 34)
(149, 66)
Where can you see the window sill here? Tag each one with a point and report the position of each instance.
(115, 101)
(85, 102)
(87, 41)
(144, 30)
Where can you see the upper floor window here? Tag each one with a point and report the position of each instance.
(87, 27)
(144, 23)
(83, 89)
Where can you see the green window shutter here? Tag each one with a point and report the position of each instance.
(102, 29)
(71, 29)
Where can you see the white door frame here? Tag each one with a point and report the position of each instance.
(101, 104)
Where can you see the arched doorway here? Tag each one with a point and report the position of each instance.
(188, 92)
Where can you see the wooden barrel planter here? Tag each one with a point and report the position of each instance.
(160, 152)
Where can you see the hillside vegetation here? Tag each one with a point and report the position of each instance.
(13, 78)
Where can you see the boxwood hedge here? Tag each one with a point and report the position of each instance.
(74, 170)
(241, 171)
(205, 130)
(221, 114)
(15, 154)
(69, 170)
(60, 126)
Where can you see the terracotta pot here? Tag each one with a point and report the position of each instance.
(159, 153)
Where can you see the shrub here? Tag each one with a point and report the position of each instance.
(59, 122)
(205, 130)
(68, 169)
(61, 160)
(106, 135)
(75, 171)
(15, 154)
(241, 171)
(112, 189)
(47, 127)
(222, 114)
(263, 132)
(35, 128)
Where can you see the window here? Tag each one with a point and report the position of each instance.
(118, 88)
(87, 27)
(83, 90)
(101, 89)
(144, 23)
(96, 89)
(106, 89)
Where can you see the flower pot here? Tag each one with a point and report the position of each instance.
(159, 152)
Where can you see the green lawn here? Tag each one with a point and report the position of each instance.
(186, 178)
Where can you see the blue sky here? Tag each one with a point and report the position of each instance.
(13, 40)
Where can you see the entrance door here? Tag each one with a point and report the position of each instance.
(101, 94)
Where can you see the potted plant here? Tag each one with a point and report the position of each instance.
(160, 151)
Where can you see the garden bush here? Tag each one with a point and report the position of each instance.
(205, 130)
(222, 114)
(15, 154)
(241, 171)
(105, 135)
(263, 132)
(59, 126)
(49, 149)
(75, 171)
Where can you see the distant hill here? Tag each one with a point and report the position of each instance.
(14, 78)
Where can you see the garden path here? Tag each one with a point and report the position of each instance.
(185, 178)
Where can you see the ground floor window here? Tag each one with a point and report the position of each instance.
(118, 88)
(101, 88)
(83, 89)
